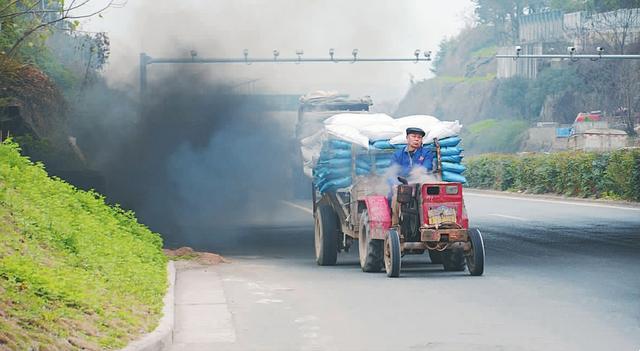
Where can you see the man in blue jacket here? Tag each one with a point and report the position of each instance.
(414, 154)
(410, 157)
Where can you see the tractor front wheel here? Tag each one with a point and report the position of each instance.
(392, 253)
(475, 257)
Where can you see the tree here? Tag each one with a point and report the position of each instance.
(504, 15)
(24, 20)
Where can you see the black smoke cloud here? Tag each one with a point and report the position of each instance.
(195, 158)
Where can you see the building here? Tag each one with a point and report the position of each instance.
(552, 32)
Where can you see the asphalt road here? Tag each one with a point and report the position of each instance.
(558, 276)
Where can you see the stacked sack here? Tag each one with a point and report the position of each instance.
(374, 138)
(333, 168)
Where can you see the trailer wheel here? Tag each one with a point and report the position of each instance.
(453, 260)
(435, 256)
(326, 235)
(392, 254)
(475, 258)
(371, 251)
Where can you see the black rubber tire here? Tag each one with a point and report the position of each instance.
(475, 259)
(392, 254)
(371, 251)
(326, 235)
(453, 260)
(435, 256)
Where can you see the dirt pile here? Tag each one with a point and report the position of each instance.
(187, 253)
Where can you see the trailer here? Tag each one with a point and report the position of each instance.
(390, 222)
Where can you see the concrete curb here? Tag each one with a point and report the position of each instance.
(554, 197)
(162, 337)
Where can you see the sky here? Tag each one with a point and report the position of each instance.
(224, 28)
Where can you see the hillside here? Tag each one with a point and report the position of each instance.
(74, 272)
(465, 86)
(472, 86)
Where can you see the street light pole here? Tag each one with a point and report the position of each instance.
(146, 60)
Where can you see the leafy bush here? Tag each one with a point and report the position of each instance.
(73, 271)
(612, 175)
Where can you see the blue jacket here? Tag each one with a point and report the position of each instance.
(421, 158)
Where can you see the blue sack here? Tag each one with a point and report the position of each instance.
(335, 184)
(339, 144)
(339, 153)
(450, 151)
(446, 142)
(383, 156)
(453, 167)
(453, 177)
(383, 163)
(362, 171)
(335, 162)
(364, 164)
(382, 144)
(452, 159)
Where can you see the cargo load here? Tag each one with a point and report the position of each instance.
(353, 144)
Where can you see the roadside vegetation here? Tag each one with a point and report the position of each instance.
(75, 273)
(614, 175)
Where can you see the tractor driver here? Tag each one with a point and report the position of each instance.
(414, 154)
(411, 157)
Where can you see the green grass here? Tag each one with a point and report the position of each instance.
(74, 272)
(460, 79)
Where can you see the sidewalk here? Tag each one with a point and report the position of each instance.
(202, 317)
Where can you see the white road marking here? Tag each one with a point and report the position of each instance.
(308, 210)
(508, 217)
(561, 202)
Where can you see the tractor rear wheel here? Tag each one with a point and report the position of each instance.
(475, 258)
(371, 251)
(453, 260)
(326, 235)
(392, 254)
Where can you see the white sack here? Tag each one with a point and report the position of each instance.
(399, 139)
(380, 131)
(359, 120)
(348, 133)
(423, 122)
(443, 130)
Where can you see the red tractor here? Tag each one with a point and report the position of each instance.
(423, 217)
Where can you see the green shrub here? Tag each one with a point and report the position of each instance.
(71, 267)
(586, 174)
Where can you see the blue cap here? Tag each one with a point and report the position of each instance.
(413, 130)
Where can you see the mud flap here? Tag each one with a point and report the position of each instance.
(379, 216)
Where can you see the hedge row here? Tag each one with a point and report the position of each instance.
(614, 175)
